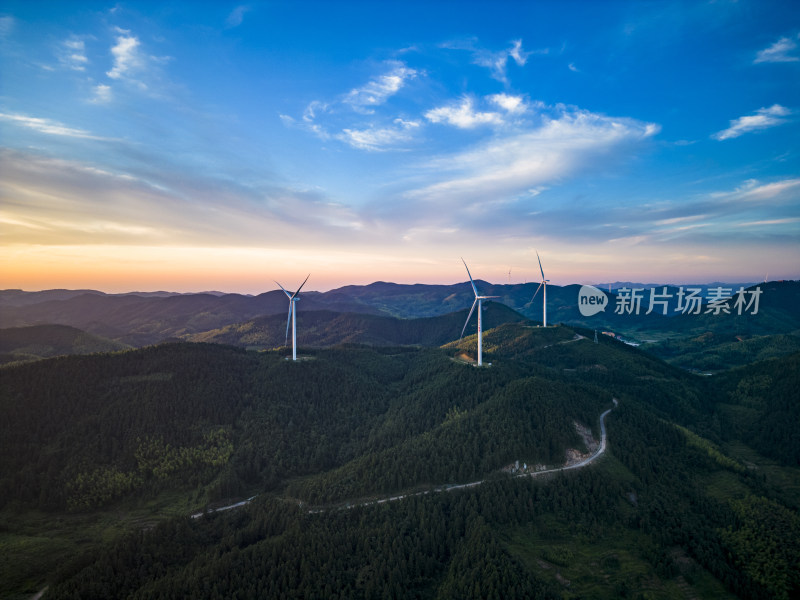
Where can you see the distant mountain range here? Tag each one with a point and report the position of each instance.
(379, 314)
(703, 286)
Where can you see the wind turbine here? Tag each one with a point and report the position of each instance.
(478, 301)
(293, 316)
(544, 298)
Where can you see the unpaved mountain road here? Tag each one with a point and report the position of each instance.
(446, 487)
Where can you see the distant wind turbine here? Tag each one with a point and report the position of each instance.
(293, 315)
(478, 300)
(544, 298)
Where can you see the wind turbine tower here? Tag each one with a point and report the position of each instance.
(293, 315)
(544, 297)
(478, 300)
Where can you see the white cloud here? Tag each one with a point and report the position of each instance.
(310, 113)
(49, 127)
(54, 201)
(763, 119)
(102, 94)
(237, 16)
(379, 89)
(517, 53)
(72, 54)
(496, 62)
(126, 55)
(463, 115)
(769, 222)
(380, 138)
(752, 189)
(570, 141)
(511, 104)
(780, 51)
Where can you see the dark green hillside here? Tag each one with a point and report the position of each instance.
(759, 405)
(717, 351)
(43, 341)
(641, 524)
(326, 328)
(778, 313)
(673, 509)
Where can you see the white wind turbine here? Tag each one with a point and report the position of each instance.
(293, 315)
(544, 298)
(478, 301)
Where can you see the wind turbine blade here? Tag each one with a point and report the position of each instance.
(537, 291)
(474, 289)
(468, 318)
(288, 295)
(301, 285)
(540, 264)
(288, 320)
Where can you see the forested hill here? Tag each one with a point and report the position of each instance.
(19, 344)
(672, 510)
(680, 505)
(327, 328)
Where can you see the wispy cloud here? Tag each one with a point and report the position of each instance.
(564, 143)
(380, 138)
(463, 115)
(764, 118)
(72, 54)
(236, 16)
(101, 94)
(56, 201)
(353, 117)
(780, 52)
(127, 58)
(378, 90)
(49, 127)
(770, 222)
(752, 189)
(494, 60)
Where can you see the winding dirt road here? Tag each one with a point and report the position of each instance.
(448, 487)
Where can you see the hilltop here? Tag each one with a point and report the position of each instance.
(19, 344)
(328, 328)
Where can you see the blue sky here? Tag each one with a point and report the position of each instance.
(192, 146)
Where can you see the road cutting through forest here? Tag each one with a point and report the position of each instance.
(447, 487)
